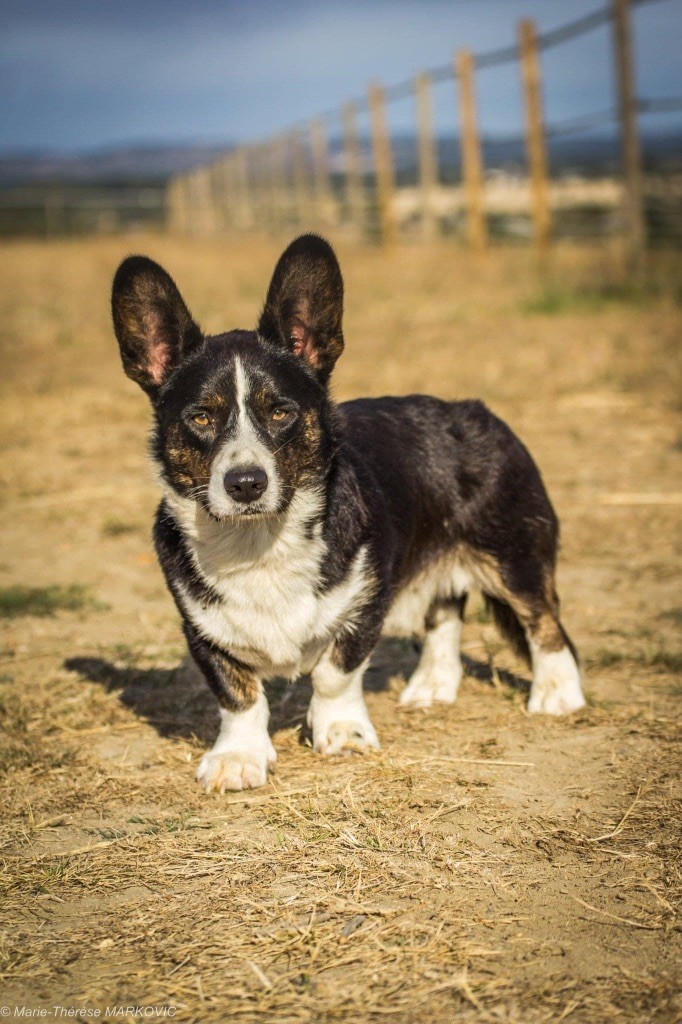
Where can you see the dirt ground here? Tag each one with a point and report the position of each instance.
(486, 865)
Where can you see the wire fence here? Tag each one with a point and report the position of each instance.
(323, 173)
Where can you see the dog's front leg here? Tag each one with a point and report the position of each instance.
(243, 752)
(337, 714)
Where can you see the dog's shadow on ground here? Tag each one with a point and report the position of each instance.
(179, 705)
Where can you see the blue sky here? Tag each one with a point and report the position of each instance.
(80, 74)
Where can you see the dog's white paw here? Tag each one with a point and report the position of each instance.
(556, 688)
(429, 686)
(243, 752)
(346, 738)
(341, 728)
(219, 771)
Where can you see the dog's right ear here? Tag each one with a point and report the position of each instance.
(154, 327)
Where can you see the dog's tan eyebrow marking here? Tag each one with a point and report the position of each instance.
(189, 467)
(214, 400)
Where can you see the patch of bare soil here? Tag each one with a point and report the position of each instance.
(485, 865)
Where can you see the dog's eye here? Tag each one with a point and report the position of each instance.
(202, 419)
(280, 414)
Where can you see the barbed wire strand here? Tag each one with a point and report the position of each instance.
(582, 123)
(661, 105)
(494, 58)
(585, 122)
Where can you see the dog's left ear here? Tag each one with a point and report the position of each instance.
(304, 306)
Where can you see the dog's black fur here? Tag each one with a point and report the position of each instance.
(415, 481)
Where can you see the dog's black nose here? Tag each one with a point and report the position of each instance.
(246, 484)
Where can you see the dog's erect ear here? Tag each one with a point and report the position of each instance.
(304, 307)
(154, 328)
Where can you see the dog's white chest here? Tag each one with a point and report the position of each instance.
(270, 613)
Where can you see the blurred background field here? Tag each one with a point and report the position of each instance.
(505, 199)
(563, 125)
(485, 864)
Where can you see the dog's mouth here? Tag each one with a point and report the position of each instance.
(238, 515)
(249, 513)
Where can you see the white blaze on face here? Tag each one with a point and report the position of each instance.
(244, 449)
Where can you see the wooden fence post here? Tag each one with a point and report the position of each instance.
(185, 205)
(173, 208)
(231, 191)
(286, 201)
(190, 204)
(190, 211)
(221, 192)
(269, 199)
(383, 164)
(428, 159)
(300, 175)
(470, 144)
(228, 191)
(207, 216)
(252, 178)
(629, 134)
(270, 157)
(259, 173)
(217, 194)
(198, 201)
(244, 188)
(324, 196)
(535, 134)
(276, 183)
(248, 192)
(355, 205)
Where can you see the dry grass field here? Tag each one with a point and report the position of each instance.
(486, 865)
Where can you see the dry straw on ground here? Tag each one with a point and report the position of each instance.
(485, 865)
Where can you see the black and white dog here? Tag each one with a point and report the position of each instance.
(294, 532)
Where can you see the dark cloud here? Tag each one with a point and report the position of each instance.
(79, 74)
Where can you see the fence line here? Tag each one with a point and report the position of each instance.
(472, 160)
(288, 180)
(383, 163)
(536, 143)
(631, 150)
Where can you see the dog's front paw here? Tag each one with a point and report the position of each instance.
(556, 688)
(427, 687)
(341, 730)
(219, 771)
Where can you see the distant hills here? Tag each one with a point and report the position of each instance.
(113, 165)
(155, 163)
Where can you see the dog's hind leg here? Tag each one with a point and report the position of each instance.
(556, 688)
(532, 625)
(439, 672)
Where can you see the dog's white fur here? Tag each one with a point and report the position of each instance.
(243, 752)
(337, 714)
(439, 672)
(556, 688)
(265, 571)
(408, 613)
